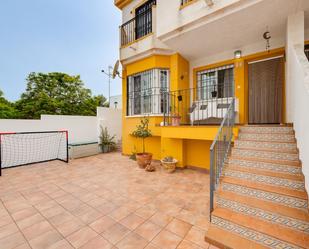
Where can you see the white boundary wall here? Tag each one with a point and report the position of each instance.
(82, 129)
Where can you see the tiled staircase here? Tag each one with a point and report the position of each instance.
(261, 201)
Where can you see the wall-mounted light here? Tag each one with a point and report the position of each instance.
(237, 54)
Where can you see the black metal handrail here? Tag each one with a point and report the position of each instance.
(220, 149)
(136, 28)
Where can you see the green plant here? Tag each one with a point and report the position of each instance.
(133, 155)
(106, 140)
(142, 131)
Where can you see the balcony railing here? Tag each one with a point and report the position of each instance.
(136, 28)
(205, 105)
(220, 149)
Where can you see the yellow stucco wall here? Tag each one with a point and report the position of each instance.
(188, 144)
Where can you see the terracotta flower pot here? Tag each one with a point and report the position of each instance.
(143, 159)
(170, 167)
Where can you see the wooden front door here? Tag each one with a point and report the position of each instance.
(265, 91)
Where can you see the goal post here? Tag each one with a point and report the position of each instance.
(25, 148)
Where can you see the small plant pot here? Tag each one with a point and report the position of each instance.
(169, 167)
(105, 148)
(143, 159)
(176, 120)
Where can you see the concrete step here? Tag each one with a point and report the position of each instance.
(267, 129)
(266, 137)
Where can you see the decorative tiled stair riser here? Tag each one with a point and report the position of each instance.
(264, 154)
(299, 225)
(295, 170)
(266, 196)
(257, 237)
(261, 201)
(291, 147)
(267, 137)
(286, 183)
(266, 129)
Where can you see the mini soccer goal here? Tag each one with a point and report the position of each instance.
(24, 148)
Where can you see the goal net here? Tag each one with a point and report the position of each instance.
(23, 148)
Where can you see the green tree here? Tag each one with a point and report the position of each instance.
(7, 109)
(57, 93)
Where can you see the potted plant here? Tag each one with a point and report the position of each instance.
(142, 131)
(107, 142)
(176, 118)
(169, 163)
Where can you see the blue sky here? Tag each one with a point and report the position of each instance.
(71, 36)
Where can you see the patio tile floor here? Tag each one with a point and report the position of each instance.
(100, 202)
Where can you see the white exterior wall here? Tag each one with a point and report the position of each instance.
(112, 119)
(115, 99)
(170, 17)
(297, 87)
(81, 129)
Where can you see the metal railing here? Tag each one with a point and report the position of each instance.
(136, 28)
(205, 105)
(220, 149)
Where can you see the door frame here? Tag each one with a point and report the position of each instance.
(259, 57)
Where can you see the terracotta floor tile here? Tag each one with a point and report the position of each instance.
(61, 218)
(51, 212)
(31, 220)
(148, 230)
(115, 233)
(151, 246)
(45, 240)
(23, 246)
(8, 230)
(161, 219)
(107, 208)
(97, 243)
(22, 214)
(145, 212)
(102, 224)
(81, 237)
(12, 241)
(36, 230)
(132, 221)
(70, 227)
(197, 236)
(179, 227)
(61, 244)
(97, 202)
(188, 245)
(5, 220)
(132, 241)
(166, 240)
(120, 213)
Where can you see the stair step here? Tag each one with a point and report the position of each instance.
(289, 138)
(222, 235)
(273, 167)
(271, 146)
(267, 129)
(261, 214)
(268, 180)
(266, 187)
(284, 208)
(276, 198)
(296, 177)
(246, 153)
(254, 225)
